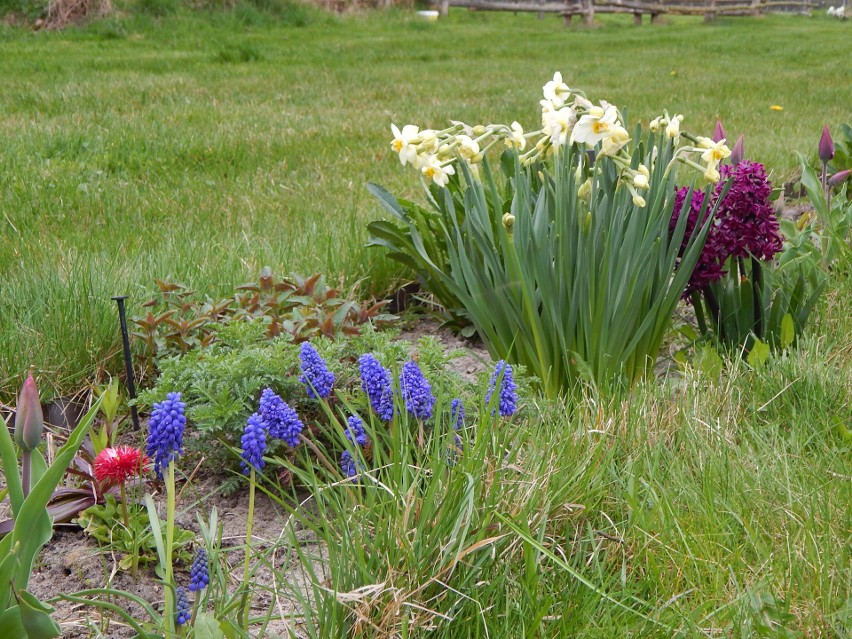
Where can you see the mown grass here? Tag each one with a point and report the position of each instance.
(200, 147)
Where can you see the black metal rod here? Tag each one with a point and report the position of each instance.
(128, 361)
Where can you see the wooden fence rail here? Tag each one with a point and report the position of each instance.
(588, 8)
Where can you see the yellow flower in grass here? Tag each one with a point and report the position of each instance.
(776, 107)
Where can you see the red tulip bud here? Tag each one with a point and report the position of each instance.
(826, 146)
(719, 132)
(29, 421)
(839, 177)
(738, 152)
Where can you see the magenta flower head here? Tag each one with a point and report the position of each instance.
(282, 421)
(416, 391)
(826, 146)
(29, 420)
(165, 432)
(719, 132)
(738, 152)
(315, 374)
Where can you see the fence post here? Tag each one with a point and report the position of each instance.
(445, 7)
(710, 10)
(590, 12)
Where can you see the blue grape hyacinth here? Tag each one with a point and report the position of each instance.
(182, 609)
(165, 432)
(253, 444)
(376, 381)
(355, 431)
(199, 573)
(315, 374)
(282, 421)
(416, 391)
(508, 389)
(457, 413)
(348, 465)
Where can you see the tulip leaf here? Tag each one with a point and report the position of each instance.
(11, 626)
(35, 617)
(206, 627)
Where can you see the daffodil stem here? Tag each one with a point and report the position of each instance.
(247, 552)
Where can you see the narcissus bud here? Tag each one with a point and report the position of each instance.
(478, 130)
(29, 421)
(508, 222)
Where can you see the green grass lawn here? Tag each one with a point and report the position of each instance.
(201, 148)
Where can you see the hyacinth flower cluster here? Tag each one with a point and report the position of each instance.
(416, 391)
(507, 394)
(315, 374)
(199, 572)
(356, 434)
(165, 432)
(274, 419)
(567, 117)
(376, 382)
(745, 224)
(182, 607)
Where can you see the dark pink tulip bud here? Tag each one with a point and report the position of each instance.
(738, 152)
(826, 146)
(719, 132)
(840, 177)
(29, 421)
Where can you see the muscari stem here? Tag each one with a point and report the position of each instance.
(246, 602)
(169, 612)
(26, 471)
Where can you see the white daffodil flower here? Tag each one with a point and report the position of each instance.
(516, 139)
(468, 147)
(673, 128)
(715, 153)
(654, 125)
(437, 172)
(559, 124)
(556, 91)
(617, 139)
(404, 142)
(594, 126)
(712, 175)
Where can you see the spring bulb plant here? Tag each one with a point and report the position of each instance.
(29, 489)
(565, 264)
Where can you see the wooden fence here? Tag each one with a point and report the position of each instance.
(655, 8)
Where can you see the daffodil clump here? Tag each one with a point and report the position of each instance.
(567, 117)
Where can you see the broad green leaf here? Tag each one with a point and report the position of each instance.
(206, 627)
(11, 626)
(788, 331)
(758, 355)
(35, 617)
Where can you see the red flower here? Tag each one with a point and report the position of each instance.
(117, 464)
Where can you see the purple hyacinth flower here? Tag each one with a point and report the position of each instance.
(182, 608)
(355, 431)
(416, 391)
(282, 421)
(508, 396)
(315, 374)
(199, 573)
(457, 413)
(376, 383)
(165, 432)
(253, 444)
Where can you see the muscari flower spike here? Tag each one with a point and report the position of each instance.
(282, 421)
(508, 389)
(457, 413)
(348, 465)
(315, 374)
(253, 444)
(355, 431)
(376, 383)
(199, 573)
(416, 391)
(182, 609)
(165, 432)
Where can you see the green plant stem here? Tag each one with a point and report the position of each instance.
(715, 312)
(26, 472)
(246, 601)
(757, 288)
(698, 307)
(169, 612)
(318, 453)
